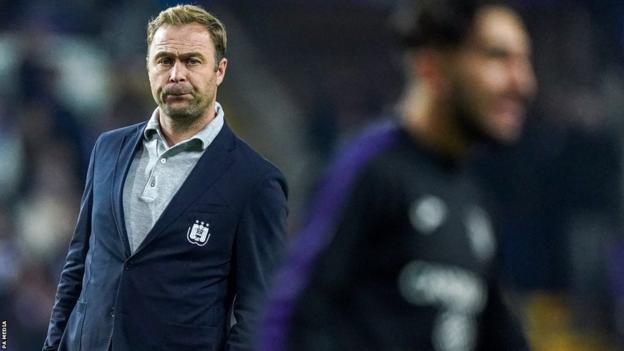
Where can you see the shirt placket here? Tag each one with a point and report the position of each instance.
(152, 188)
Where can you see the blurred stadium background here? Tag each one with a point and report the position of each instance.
(305, 75)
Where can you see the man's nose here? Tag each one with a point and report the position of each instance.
(177, 73)
(523, 77)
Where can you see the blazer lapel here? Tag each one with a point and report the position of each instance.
(128, 147)
(213, 163)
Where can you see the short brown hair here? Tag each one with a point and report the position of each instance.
(187, 14)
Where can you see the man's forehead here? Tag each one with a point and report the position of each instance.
(185, 37)
(500, 26)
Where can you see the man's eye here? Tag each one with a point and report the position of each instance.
(193, 61)
(496, 53)
(165, 61)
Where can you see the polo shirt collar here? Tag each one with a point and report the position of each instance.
(203, 138)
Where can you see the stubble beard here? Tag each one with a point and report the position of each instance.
(469, 120)
(195, 109)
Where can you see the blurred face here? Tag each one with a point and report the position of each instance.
(183, 73)
(491, 77)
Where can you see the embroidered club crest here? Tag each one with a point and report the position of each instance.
(199, 233)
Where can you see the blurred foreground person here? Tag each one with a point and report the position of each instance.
(181, 223)
(398, 252)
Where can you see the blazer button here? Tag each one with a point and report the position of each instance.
(128, 266)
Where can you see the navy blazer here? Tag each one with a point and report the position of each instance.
(179, 288)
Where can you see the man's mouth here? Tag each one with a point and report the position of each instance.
(510, 108)
(177, 96)
(176, 91)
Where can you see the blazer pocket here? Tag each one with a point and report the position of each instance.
(191, 338)
(212, 231)
(72, 336)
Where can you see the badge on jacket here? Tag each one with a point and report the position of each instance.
(199, 233)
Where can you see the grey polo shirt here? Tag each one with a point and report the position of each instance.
(157, 172)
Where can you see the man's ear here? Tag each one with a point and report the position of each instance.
(430, 67)
(221, 68)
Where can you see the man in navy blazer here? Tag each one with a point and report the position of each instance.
(181, 223)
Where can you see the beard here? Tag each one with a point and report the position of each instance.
(194, 109)
(468, 121)
(472, 122)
